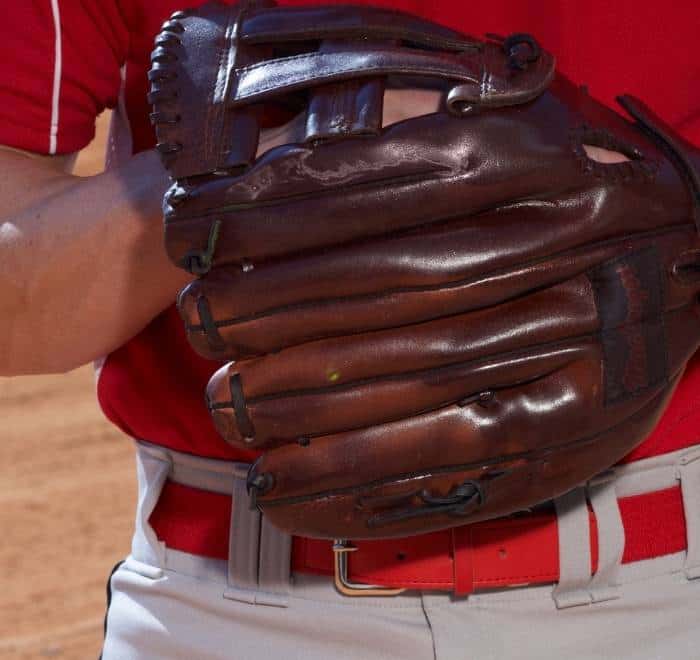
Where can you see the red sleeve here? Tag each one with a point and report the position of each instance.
(60, 66)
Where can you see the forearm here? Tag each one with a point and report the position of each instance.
(83, 268)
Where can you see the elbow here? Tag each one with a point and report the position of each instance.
(23, 357)
(24, 347)
(26, 351)
(28, 343)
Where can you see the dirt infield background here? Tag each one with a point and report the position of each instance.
(67, 495)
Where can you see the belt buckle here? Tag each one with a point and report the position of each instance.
(341, 549)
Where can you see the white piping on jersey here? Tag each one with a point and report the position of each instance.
(58, 65)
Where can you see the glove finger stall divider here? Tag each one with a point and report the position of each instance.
(446, 319)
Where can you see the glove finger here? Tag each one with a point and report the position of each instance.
(456, 465)
(302, 412)
(362, 380)
(230, 314)
(359, 288)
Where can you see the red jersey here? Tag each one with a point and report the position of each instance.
(63, 61)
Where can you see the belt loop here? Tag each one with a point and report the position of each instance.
(275, 566)
(689, 474)
(573, 525)
(611, 537)
(259, 563)
(152, 468)
(244, 545)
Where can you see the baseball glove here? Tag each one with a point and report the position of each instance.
(428, 323)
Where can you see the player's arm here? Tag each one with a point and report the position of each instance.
(82, 264)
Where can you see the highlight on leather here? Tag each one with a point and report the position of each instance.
(450, 315)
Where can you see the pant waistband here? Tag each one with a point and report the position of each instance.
(630, 514)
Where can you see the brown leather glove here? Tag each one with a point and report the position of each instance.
(435, 322)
